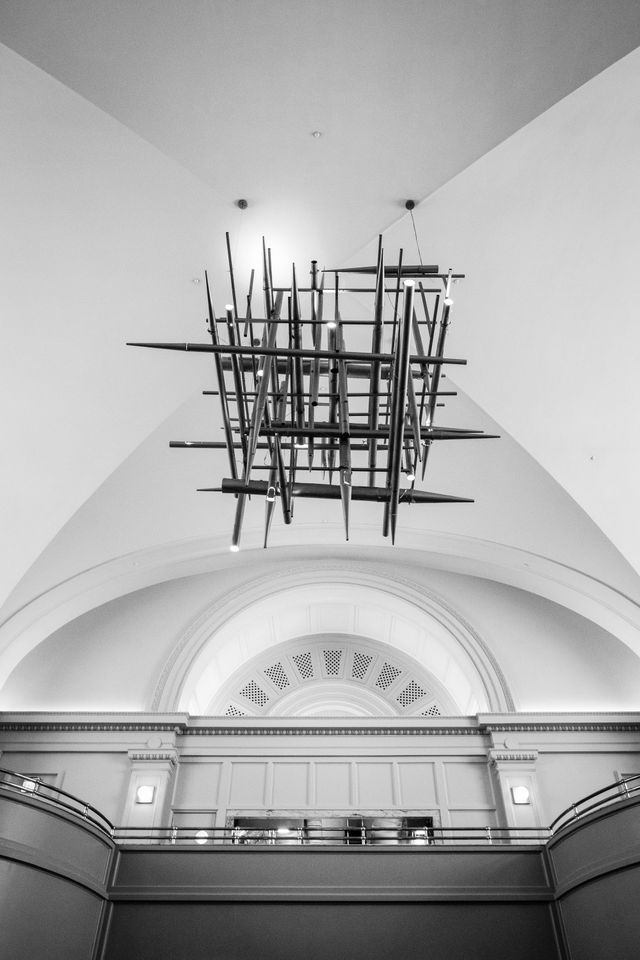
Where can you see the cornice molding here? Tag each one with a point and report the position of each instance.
(195, 727)
(154, 756)
(567, 727)
(98, 727)
(332, 731)
(511, 756)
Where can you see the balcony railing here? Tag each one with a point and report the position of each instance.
(24, 785)
(314, 833)
(371, 836)
(618, 790)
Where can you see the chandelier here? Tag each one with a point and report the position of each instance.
(331, 422)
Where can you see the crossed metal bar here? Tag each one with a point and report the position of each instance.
(269, 390)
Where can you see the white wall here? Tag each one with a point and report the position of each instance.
(459, 771)
(545, 227)
(112, 657)
(101, 238)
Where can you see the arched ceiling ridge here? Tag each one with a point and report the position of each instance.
(606, 606)
(193, 653)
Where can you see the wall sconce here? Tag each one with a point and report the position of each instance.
(520, 795)
(145, 794)
(201, 836)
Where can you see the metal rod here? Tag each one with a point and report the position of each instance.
(326, 491)
(375, 372)
(236, 338)
(410, 270)
(395, 305)
(237, 381)
(398, 405)
(317, 297)
(345, 446)
(261, 399)
(221, 384)
(351, 355)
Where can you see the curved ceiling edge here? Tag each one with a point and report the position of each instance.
(191, 656)
(28, 626)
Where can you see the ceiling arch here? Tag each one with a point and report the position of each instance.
(344, 599)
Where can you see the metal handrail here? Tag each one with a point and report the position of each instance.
(430, 835)
(203, 834)
(576, 813)
(87, 811)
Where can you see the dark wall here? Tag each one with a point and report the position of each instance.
(44, 917)
(602, 918)
(575, 900)
(331, 931)
(53, 873)
(324, 903)
(595, 869)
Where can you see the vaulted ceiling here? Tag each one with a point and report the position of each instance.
(130, 130)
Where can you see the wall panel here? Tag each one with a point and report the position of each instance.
(333, 785)
(198, 783)
(248, 785)
(290, 785)
(375, 785)
(417, 785)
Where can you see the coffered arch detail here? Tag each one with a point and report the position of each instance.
(331, 599)
(333, 675)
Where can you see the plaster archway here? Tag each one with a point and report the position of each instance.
(332, 598)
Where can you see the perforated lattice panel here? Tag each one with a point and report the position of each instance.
(360, 665)
(304, 664)
(332, 659)
(277, 676)
(413, 691)
(431, 712)
(254, 693)
(387, 675)
(233, 711)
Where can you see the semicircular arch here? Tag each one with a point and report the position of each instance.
(338, 599)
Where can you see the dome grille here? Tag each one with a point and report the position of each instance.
(332, 660)
(387, 675)
(360, 665)
(411, 692)
(304, 663)
(277, 676)
(431, 712)
(233, 711)
(254, 693)
(334, 676)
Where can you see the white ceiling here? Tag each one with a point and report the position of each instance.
(406, 95)
(132, 129)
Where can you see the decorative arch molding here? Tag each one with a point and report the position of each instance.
(262, 613)
(24, 628)
(333, 675)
